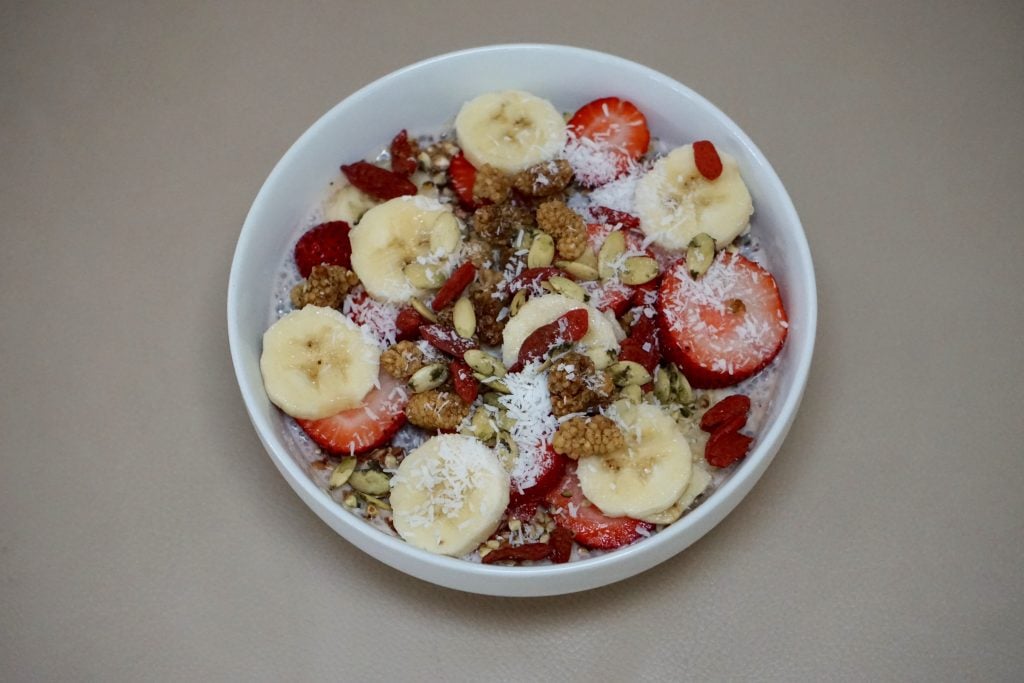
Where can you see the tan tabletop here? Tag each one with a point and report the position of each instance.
(144, 533)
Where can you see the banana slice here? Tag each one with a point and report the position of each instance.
(510, 130)
(403, 231)
(317, 363)
(676, 203)
(645, 478)
(699, 480)
(600, 341)
(449, 495)
(348, 203)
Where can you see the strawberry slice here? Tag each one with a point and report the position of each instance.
(362, 429)
(326, 243)
(586, 522)
(462, 176)
(378, 182)
(551, 468)
(615, 126)
(725, 326)
(641, 346)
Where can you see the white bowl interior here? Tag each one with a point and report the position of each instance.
(423, 98)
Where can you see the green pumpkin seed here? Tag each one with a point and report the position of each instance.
(370, 482)
(542, 251)
(484, 363)
(611, 251)
(423, 276)
(376, 502)
(580, 271)
(700, 254)
(341, 472)
(566, 287)
(638, 270)
(627, 372)
(423, 309)
(464, 318)
(428, 377)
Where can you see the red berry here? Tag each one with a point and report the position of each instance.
(326, 243)
(462, 176)
(465, 383)
(705, 156)
(364, 428)
(551, 467)
(403, 161)
(566, 329)
(611, 217)
(723, 327)
(614, 125)
(586, 522)
(725, 447)
(408, 324)
(378, 182)
(561, 545)
(446, 339)
(641, 346)
(725, 411)
(518, 553)
(454, 285)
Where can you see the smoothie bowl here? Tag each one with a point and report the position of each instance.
(522, 320)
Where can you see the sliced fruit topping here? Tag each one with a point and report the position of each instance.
(726, 411)
(454, 286)
(315, 362)
(510, 130)
(404, 247)
(706, 157)
(446, 339)
(724, 327)
(327, 243)
(366, 427)
(449, 495)
(545, 473)
(588, 525)
(607, 136)
(567, 329)
(462, 176)
(675, 202)
(641, 346)
(649, 474)
(403, 161)
(378, 182)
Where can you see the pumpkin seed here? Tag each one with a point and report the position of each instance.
(428, 377)
(445, 234)
(566, 287)
(611, 251)
(423, 276)
(626, 372)
(588, 258)
(507, 451)
(464, 318)
(601, 356)
(638, 270)
(633, 392)
(517, 302)
(484, 363)
(542, 251)
(504, 421)
(423, 309)
(491, 399)
(376, 502)
(580, 271)
(481, 426)
(700, 254)
(663, 385)
(342, 471)
(681, 389)
(370, 482)
(492, 382)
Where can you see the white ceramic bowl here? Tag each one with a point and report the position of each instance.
(423, 97)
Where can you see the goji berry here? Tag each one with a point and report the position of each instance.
(465, 384)
(706, 157)
(378, 182)
(446, 339)
(567, 329)
(725, 411)
(403, 162)
(454, 285)
(561, 545)
(613, 217)
(520, 553)
(726, 447)
(408, 324)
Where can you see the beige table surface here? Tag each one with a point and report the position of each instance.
(144, 533)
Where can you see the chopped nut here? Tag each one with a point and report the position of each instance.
(582, 436)
(566, 226)
(325, 286)
(576, 386)
(499, 224)
(545, 179)
(491, 185)
(436, 410)
(402, 360)
(477, 252)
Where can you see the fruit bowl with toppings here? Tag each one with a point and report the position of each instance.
(522, 320)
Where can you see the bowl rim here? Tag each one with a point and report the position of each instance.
(528, 581)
